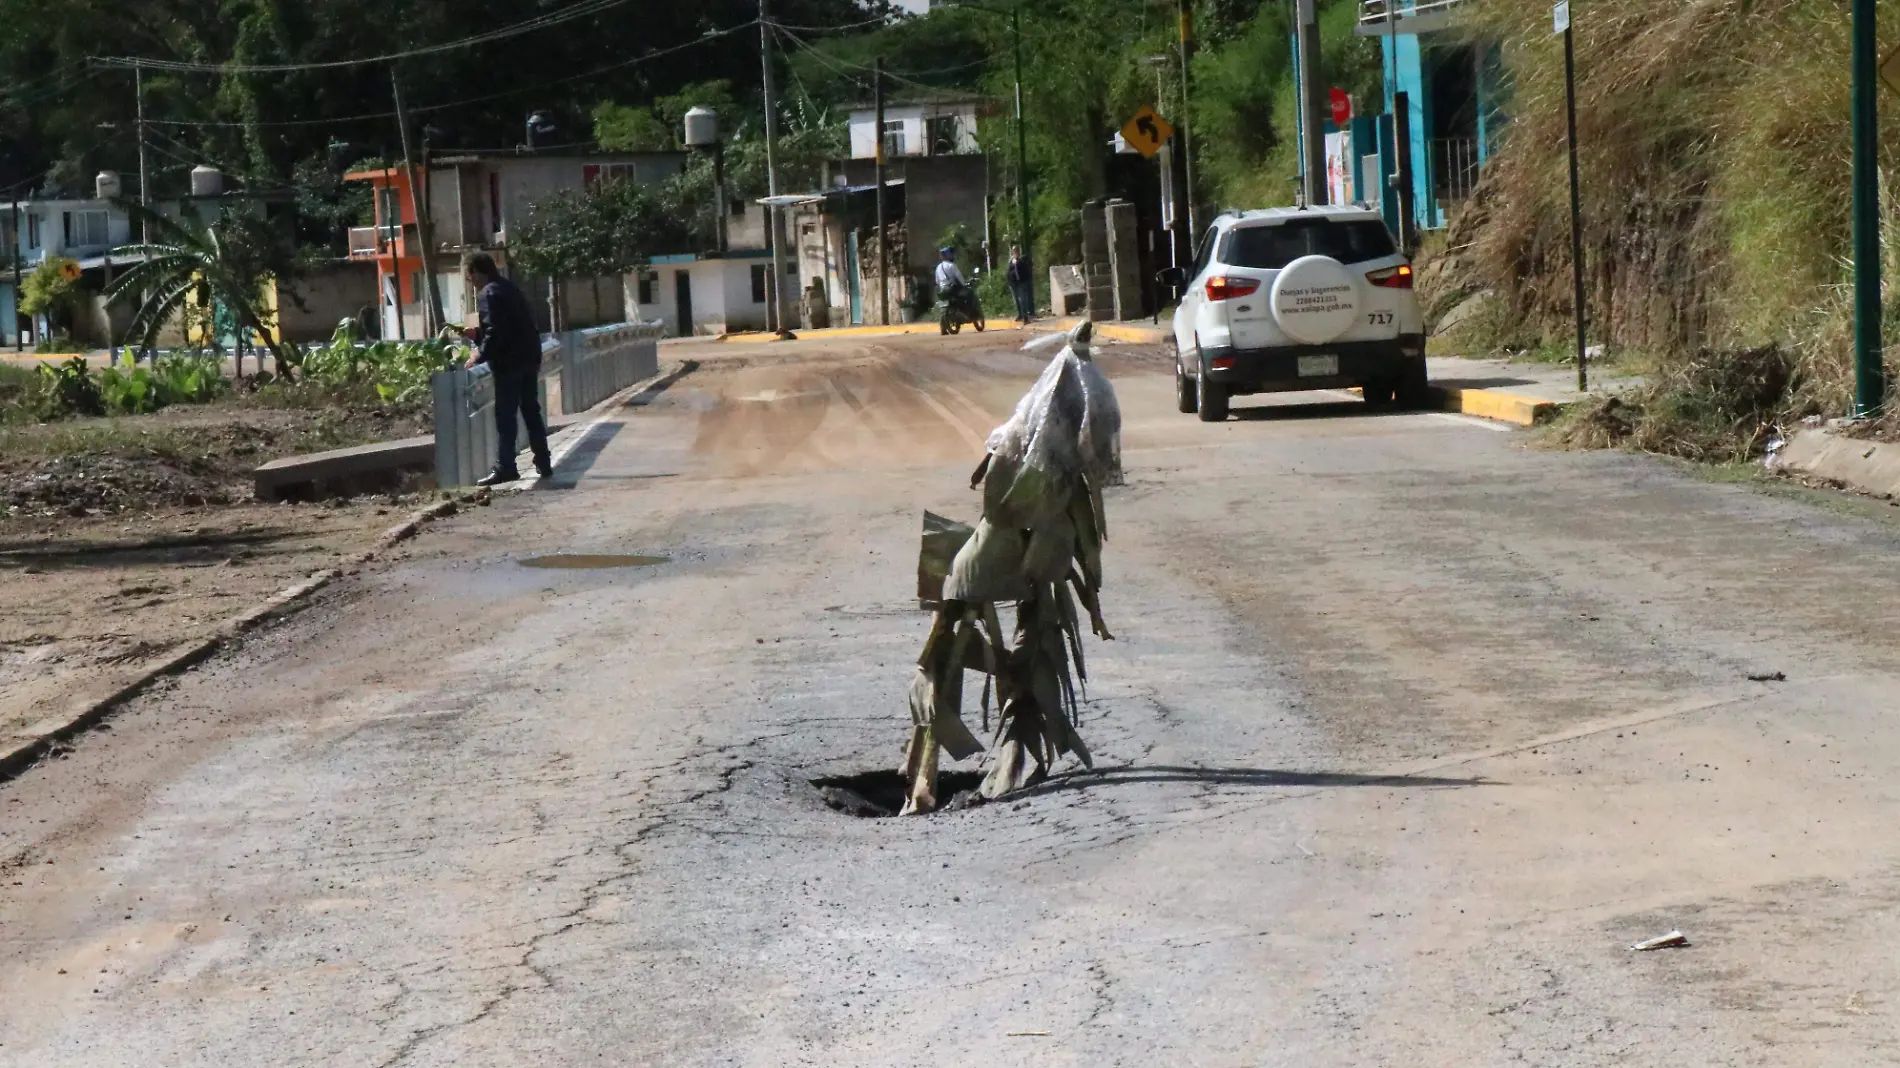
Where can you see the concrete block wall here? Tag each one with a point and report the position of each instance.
(1097, 273)
(1124, 260)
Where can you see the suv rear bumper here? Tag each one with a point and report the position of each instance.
(1277, 370)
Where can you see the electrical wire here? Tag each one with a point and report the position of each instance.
(579, 10)
(710, 35)
(906, 78)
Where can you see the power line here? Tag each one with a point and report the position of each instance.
(582, 9)
(708, 36)
(908, 77)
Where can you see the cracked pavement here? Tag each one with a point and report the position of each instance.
(1409, 732)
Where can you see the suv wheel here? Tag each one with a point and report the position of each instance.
(1187, 394)
(1378, 393)
(1213, 397)
(1414, 388)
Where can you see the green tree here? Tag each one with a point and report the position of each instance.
(53, 290)
(188, 270)
(618, 128)
(612, 228)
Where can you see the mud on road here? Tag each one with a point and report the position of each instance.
(1409, 732)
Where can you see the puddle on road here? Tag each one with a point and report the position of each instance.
(587, 562)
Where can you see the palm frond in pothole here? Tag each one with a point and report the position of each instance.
(1038, 548)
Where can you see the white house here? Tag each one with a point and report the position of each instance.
(945, 126)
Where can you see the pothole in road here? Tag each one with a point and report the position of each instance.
(587, 562)
(876, 794)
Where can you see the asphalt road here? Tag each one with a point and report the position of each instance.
(1410, 731)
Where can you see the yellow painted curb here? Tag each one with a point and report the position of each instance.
(895, 329)
(1492, 404)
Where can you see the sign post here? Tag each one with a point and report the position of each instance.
(1560, 20)
(1870, 372)
(1147, 132)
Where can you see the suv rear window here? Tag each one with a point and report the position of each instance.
(1273, 247)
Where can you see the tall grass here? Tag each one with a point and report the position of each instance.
(1716, 158)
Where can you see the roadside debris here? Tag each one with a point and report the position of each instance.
(1669, 941)
(1768, 676)
(1040, 535)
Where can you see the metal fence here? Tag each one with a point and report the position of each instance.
(465, 419)
(588, 367)
(1455, 169)
(598, 363)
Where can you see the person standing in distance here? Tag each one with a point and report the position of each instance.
(509, 344)
(1022, 285)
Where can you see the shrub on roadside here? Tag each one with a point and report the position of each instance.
(398, 371)
(1714, 406)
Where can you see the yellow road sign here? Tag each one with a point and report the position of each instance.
(1890, 70)
(1147, 132)
(70, 271)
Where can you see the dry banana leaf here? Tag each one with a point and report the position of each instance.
(941, 541)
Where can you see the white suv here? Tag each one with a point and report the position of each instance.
(1297, 298)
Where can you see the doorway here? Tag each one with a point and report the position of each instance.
(683, 301)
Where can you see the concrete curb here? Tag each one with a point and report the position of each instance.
(1496, 405)
(41, 739)
(1870, 467)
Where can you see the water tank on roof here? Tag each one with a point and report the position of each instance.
(106, 186)
(206, 181)
(702, 128)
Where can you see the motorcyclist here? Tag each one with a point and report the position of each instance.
(949, 278)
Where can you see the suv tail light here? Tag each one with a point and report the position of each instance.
(1399, 277)
(1222, 287)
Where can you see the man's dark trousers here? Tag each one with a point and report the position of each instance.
(518, 391)
(1025, 300)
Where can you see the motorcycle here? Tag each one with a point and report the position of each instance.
(960, 306)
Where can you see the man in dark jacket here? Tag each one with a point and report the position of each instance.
(1022, 285)
(509, 344)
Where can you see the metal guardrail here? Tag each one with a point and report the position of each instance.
(465, 419)
(598, 363)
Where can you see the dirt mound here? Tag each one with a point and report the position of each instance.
(82, 485)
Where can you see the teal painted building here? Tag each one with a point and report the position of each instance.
(1454, 92)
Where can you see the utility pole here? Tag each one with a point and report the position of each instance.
(1870, 374)
(19, 335)
(1561, 15)
(432, 311)
(1185, 196)
(145, 201)
(1024, 238)
(1312, 132)
(883, 233)
(775, 313)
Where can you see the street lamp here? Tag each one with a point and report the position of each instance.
(702, 132)
(1015, 14)
(539, 124)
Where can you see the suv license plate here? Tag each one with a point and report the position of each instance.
(1318, 366)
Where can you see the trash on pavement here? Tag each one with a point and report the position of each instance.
(1768, 676)
(1668, 941)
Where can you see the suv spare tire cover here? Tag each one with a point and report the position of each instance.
(1315, 299)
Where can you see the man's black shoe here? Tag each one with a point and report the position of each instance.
(543, 468)
(497, 477)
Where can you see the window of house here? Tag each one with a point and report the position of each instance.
(494, 202)
(759, 274)
(389, 212)
(86, 229)
(647, 278)
(32, 231)
(595, 174)
(941, 134)
(738, 206)
(894, 141)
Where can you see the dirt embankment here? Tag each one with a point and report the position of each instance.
(121, 538)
